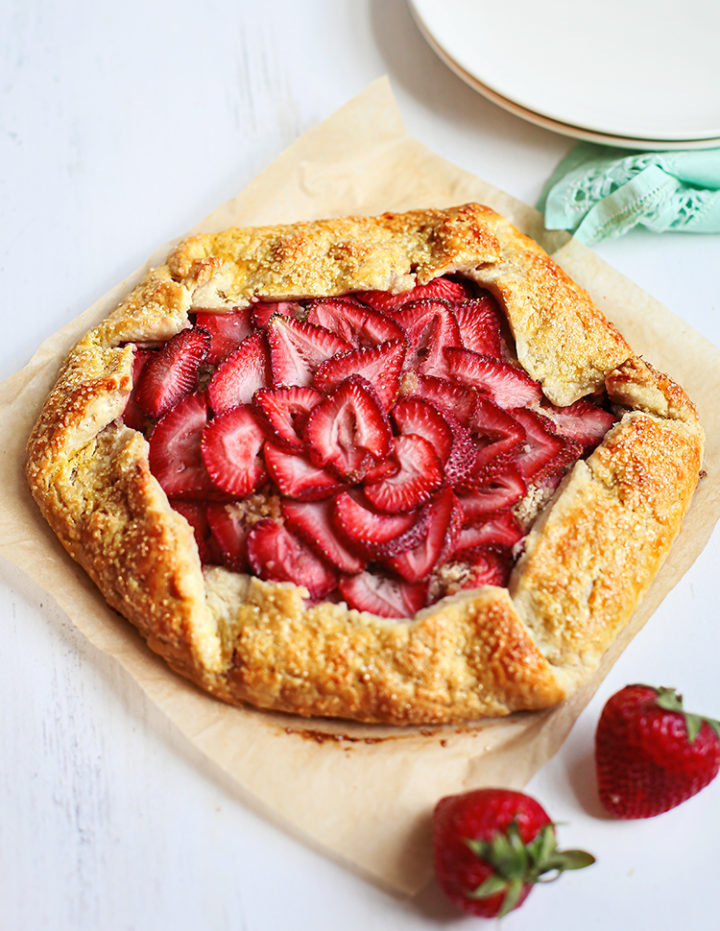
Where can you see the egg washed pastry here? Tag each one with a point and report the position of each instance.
(397, 469)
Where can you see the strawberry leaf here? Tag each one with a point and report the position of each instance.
(516, 863)
(491, 886)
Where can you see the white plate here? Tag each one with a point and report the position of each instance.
(646, 70)
(577, 132)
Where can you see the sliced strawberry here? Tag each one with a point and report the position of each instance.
(386, 597)
(430, 353)
(348, 429)
(297, 349)
(541, 444)
(296, 476)
(489, 565)
(243, 373)
(480, 325)
(174, 455)
(507, 385)
(379, 365)
(231, 450)
(463, 453)
(497, 493)
(383, 469)
(501, 491)
(413, 415)
(502, 529)
(287, 410)
(497, 433)
(374, 533)
(195, 513)
(230, 534)
(261, 312)
(226, 331)
(550, 475)
(582, 421)
(443, 288)
(278, 555)
(459, 400)
(359, 325)
(313, 522)
(133, 415)
(429, 326)
(443, 516)
(419, 475)
(172, 372)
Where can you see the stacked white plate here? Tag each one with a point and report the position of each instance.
(640, 74)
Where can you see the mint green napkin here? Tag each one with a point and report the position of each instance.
(600, 192)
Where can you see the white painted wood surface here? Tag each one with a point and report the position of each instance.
(122, 126)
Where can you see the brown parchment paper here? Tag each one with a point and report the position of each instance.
(361, 794)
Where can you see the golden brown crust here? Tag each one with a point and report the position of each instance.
(588, 560)
(597, 550)
(391, 252)
(561, 338)
(468, 657)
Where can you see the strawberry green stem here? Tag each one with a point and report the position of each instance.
(516, 863)
(669, 699)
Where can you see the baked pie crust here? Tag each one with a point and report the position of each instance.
(588, 559)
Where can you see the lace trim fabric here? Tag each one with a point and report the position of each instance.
(599, 192)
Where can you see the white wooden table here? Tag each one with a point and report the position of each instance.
(123, 125)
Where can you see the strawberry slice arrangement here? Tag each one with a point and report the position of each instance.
(379, 449)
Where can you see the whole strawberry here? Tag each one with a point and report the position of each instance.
(650, 754)
(491, 845)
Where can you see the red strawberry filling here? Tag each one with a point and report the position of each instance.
(226, 332)
(198, 516)
(230, 448)
(415, 416)
(418, 475)
(297, 349)
(480, 326)
(260, 313)
(498, 493)
(175, 458)
(380, 365)
(381, 449)
(359, 325)
(278, 555)
(374, 533)
(240, 375)
(230, 534)
(430, 327)
(506, 385)
(287, 411)
(295, 476)
(313, 522)
(382, 594)
(349, 430)
(170, 374)
(443, 516)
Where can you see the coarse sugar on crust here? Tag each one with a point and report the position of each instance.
(590, 555)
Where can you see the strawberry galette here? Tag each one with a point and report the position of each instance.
(398, 469)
